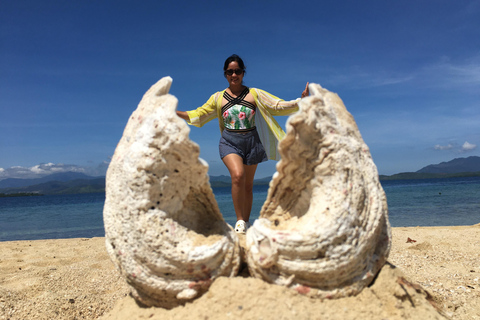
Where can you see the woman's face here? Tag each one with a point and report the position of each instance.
(234, 79)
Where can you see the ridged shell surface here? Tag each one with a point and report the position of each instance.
(324, 228)
(163, 228)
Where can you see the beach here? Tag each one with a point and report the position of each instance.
(433, 273)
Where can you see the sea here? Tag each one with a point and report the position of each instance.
(426, 202)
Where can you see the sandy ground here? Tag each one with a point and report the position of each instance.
(434, 276)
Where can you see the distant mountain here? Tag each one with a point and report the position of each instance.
(262, 181)
(220, 181)
(61, 187)
(63, 176)
(458, 165)
(417, 175)
(226, 181)
(74, 182)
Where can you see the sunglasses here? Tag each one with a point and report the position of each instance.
(230, 72)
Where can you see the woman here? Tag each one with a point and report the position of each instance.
(249, 132)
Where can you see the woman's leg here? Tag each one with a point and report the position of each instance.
(249, 176)
(236, 168)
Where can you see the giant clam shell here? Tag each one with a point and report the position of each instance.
(164, 230)
(324, 227)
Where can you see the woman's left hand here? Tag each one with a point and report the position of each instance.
(305, 92)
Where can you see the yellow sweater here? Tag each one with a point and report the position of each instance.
(268, 106)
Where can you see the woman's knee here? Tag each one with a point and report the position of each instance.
(238, 177)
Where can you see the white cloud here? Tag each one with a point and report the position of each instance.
(447, 147)
(366, 79)
(443, 73)
(456, 148)
(468, 146)
(45, 169)
(37, 169)
(447, 73)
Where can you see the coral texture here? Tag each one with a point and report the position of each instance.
(324, 228)
(164, 230)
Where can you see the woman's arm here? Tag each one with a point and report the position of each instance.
(277, 106)
(201, 115)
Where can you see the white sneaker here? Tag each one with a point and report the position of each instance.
(240, 226)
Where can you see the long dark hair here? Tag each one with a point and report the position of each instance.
(233, 58)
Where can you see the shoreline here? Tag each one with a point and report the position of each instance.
(68, 278)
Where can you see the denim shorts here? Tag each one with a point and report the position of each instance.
(246, 144)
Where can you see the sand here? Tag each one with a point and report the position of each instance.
(434, 276)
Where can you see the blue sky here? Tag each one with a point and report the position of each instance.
(71, 73)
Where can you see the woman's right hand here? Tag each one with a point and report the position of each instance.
(183, 115)
(305, 92)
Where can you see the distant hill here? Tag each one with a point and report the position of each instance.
(417, 175)
(63, 176)
(262, 181)
(220, 181)
(458, 167)
(226, 181)
(62, 187)
(57, 183)
(470, 164)
(74, 182)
